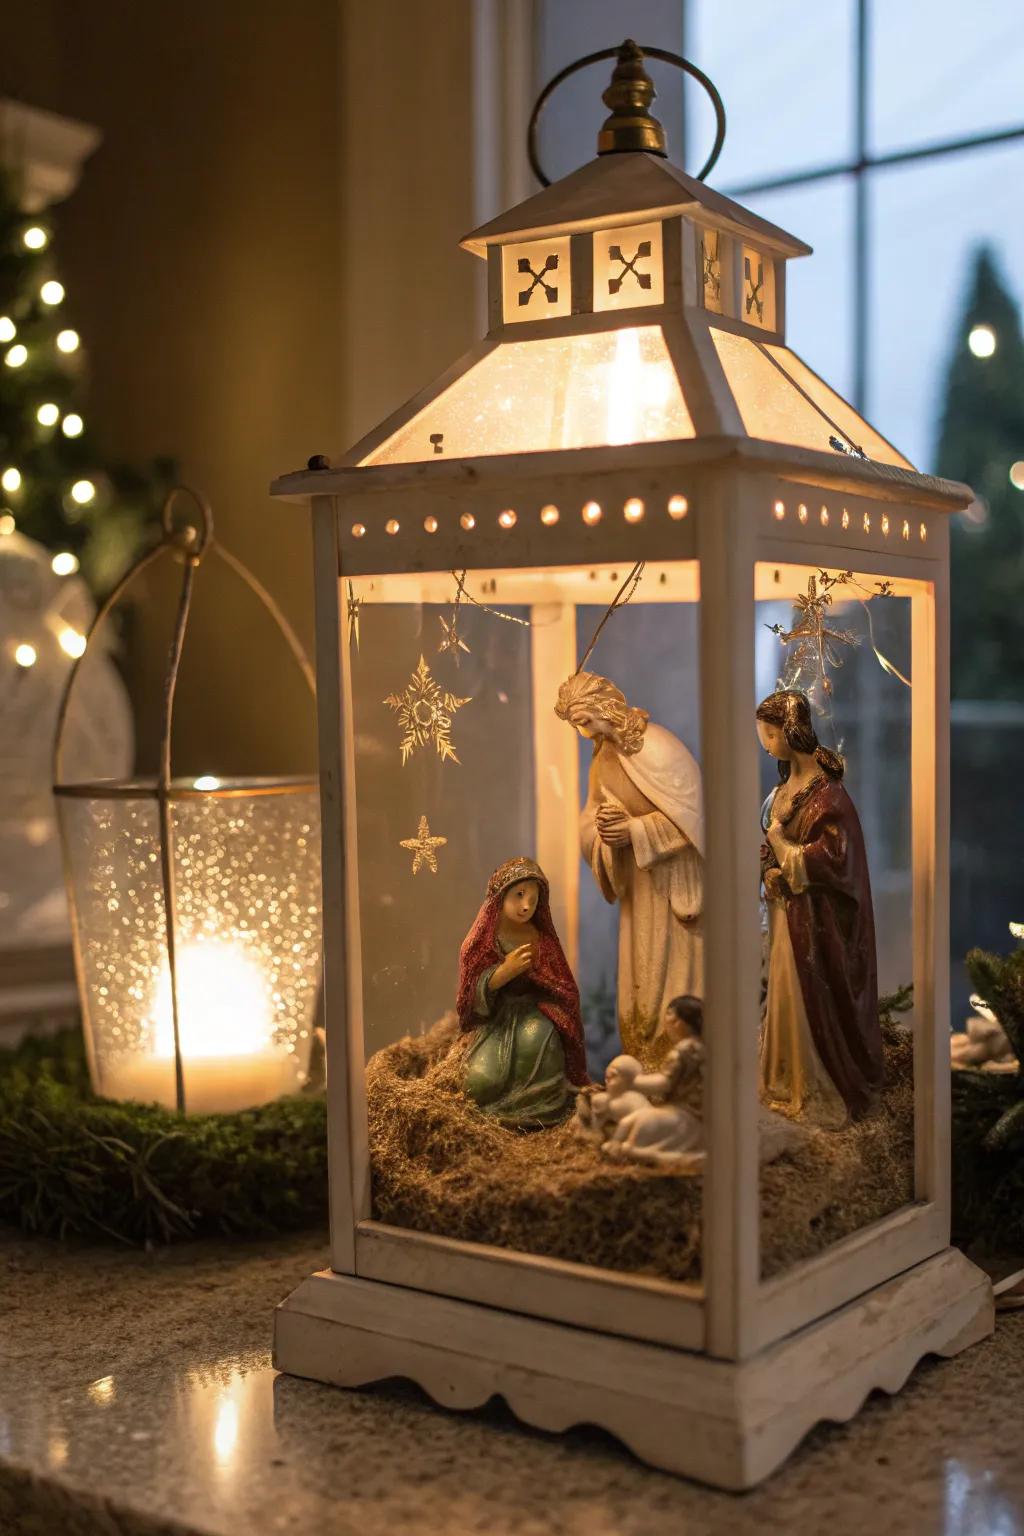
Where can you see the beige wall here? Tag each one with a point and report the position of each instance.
(261, 259)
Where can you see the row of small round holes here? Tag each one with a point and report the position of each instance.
(591, 512)
(803, 516)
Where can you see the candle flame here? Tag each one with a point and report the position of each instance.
(222, 1004)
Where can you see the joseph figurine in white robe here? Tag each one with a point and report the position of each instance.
(642, 833)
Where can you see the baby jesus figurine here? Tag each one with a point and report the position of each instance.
(626, 1121)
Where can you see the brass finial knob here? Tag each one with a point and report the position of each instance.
(631, 126)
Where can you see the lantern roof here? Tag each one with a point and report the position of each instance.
(622, 189)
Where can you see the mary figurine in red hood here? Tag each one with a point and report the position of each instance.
(519, 998)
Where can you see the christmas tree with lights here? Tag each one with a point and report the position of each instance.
(55, 486)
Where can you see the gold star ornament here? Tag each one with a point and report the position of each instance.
(425, 713)
(423, 848)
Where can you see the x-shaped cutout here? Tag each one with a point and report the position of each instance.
(755, 299)
(643, 250)
(712, 270)
(526, 268)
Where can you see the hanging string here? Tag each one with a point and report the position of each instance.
(620, 600)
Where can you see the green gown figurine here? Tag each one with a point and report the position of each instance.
(518, 998)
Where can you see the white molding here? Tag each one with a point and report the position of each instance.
(45, 151)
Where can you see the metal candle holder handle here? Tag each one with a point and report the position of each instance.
(192, 540)
(630, 92)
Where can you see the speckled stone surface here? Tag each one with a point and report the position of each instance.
(136, 1396)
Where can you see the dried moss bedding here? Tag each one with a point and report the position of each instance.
(441, 1166)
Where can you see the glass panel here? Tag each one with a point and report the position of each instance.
(469, 1042)
(558, 392)
(785, 73)
(965, 74)
(247, 894)
(837, 884)
(819, 288)
(781, 400)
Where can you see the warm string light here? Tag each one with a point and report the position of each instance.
(25, 655)
(52, 292)
(48, 415)
(72, 425)
(35, 238)
(82, 492)
(16, 356)
(7, 524)
(71, 641)
(981, 340)
(67, 341)
(64, 563)
(8, 329)
(11, 480)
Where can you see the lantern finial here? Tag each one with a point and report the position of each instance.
(630, 126)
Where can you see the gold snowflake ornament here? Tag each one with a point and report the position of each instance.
(423, 848)
(425, 714)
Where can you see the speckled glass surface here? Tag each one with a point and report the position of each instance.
(247, 929)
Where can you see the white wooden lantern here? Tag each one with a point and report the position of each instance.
(634, 399)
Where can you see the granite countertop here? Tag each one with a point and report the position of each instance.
(137, 1396)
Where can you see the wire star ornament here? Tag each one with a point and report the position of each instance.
(451, 639)
(425, 713)
(423, 847)
(354, 605)
(815, 646)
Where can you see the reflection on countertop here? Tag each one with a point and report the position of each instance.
(141, 1384)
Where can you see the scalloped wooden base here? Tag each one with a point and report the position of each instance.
(723, 1422)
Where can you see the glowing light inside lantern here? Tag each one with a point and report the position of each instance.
(222, 1005)
(982, 340)
(71, 641)
(206, 781)
(634, 388)
(64, 563)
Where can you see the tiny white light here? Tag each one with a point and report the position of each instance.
(549, 515)
(52, 292)
(72, 425)
(16, 355)
(7, 524)
(1017, 475)
(82, 492)
(358, 530)
(48, 415)
(430, 524)
(36, 238)
(678, 506)
(633, 510)
(982, 340)
(25, 655)
(67, 341)
(592, 513)
(72, 642)
(507, 518)
(392, 525)
(8, 329)
(11, 479)
(206, 781)
(467, 521)
(64, 563)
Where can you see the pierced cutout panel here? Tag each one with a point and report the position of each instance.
(535, 280)
(589, 391)
(757, 288)
(782, 401)
(628, 268)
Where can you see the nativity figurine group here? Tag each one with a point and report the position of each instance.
(641, 834)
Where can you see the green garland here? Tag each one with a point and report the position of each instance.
(71, 1163)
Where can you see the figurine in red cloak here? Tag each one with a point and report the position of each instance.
(821, 1049)
(518, 995)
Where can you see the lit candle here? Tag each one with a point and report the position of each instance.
(229, 1059)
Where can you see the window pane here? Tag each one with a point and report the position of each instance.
(785, 73)
(570, 29)
(926, 220)
(819, 288)
(942, 70)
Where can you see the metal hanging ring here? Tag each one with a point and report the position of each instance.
(193, 536)
(613, 53)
